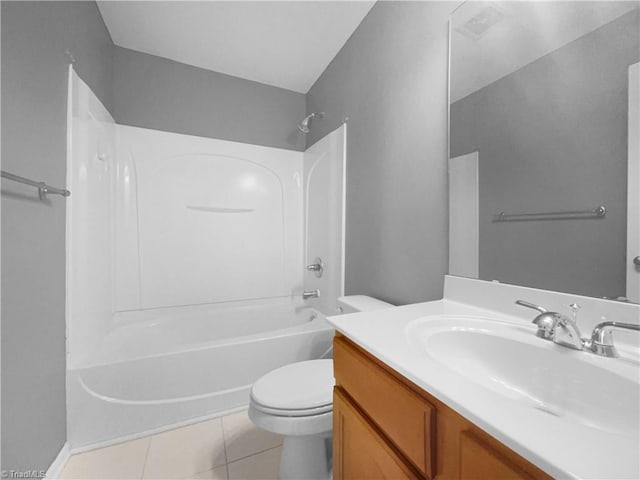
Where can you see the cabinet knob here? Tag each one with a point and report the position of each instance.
(636, 261)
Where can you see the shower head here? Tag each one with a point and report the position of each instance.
(304, 124)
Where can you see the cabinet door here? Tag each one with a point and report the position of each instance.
(479, 461)
(359, 453)
(405, 417)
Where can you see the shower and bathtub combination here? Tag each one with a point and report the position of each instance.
(186, 268)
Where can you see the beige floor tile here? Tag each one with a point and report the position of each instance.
(219, 473)
(262, 466)
(185, 451)
(122, 461)
(242, 438)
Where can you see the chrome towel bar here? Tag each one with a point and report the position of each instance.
(42, 187)
(597, 212)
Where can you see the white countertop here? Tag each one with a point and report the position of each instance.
(561, 447)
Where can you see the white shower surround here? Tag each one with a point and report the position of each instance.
(217, 221)
(169, 320)
(91, 138)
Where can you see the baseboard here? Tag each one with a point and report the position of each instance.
(56, 467)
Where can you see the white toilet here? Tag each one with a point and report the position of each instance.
(297, 401)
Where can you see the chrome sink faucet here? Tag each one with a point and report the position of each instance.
(564, 331)
(556, 327)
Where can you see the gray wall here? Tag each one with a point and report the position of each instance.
(390, 79)
(34, 100)
(153, 92)
(553, 136)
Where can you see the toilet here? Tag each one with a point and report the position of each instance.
(297, 401)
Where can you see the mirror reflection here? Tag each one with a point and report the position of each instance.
(543, 168)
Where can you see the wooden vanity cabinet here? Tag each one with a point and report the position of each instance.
(386, 427)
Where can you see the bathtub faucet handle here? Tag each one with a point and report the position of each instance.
(317, 267)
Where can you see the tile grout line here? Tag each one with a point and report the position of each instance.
(224, 446)
(146, 457)
(256, 453)
(225, 453)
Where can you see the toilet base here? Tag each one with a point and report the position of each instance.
(306, 457)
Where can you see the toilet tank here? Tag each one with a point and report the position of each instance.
(361, 303)
(354, 304)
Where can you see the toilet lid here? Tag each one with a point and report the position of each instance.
(303, 386)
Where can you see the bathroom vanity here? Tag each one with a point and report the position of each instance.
(387, 427)
(462, 388)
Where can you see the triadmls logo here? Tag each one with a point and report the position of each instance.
(23, 474)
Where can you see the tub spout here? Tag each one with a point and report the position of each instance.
(310, 294)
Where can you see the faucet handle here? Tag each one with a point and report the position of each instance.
(574, 312)
(531, 305)
(546, 321)
(317, 267)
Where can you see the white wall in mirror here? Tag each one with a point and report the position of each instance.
(463, 215)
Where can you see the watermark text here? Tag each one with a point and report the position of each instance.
(23, 474)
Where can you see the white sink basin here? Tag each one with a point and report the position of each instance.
(597, 392)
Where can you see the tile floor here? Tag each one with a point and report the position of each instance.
(226, 448)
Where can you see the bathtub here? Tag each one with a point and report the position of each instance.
(158, 369)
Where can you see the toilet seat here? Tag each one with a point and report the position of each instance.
(297, 390)
(303, 412)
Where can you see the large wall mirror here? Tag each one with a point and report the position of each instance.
(543, 171)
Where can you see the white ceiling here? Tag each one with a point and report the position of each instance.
(286, 44)
(528, 31)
